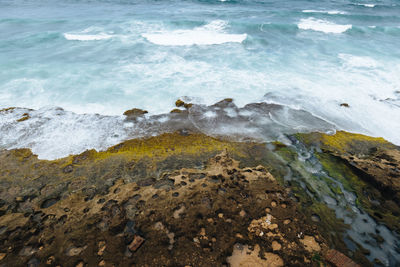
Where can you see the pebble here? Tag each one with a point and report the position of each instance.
(102, 247)
(239, 236)
(136, 243)
(50, 260)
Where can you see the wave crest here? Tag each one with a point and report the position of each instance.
(87, 37)
(322, 26)
(329, 12)
(209, 34)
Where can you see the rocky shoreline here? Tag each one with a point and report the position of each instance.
(187, 199)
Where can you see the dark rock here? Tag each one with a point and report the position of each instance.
(179, 103)
(135, 112)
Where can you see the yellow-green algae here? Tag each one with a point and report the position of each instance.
(344, 142)
(167, 144)
(341, 145)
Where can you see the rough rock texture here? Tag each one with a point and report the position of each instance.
(338, 259)
(163, 196)
(374, 160)
(189, 217)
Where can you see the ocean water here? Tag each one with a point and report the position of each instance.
(104, 57)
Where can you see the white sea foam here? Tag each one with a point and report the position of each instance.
(87, 37)
(366, 5)
(322, 26)
(330, 12)
(358, 61)
(210, 34)
(53, 133)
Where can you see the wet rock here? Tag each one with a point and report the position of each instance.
(176, 110)
(179, 103)
(370, 166)
(135, 112)
(24, 117)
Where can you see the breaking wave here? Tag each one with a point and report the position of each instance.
(322, 26)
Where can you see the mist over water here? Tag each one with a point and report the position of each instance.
(109, 56)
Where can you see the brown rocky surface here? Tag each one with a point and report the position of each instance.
(214, 215)
(170, 201)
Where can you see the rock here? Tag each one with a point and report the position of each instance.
(34, 262)
(315, 218)
(371, 167)
(177, 213)
(243, 256)
(50, 260)
(310, 244)
(135, 112)
(188, 105)
(102, 247)
(179, 103)
(24, 117)
(195, 228)
(68, 169)
(338, 259)
(75, 251)
(136, 243)
(345, 105)
(28, 251)
(176, 110)
(276, 245)
(48, 203)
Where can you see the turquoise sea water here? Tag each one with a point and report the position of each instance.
(109, 56)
